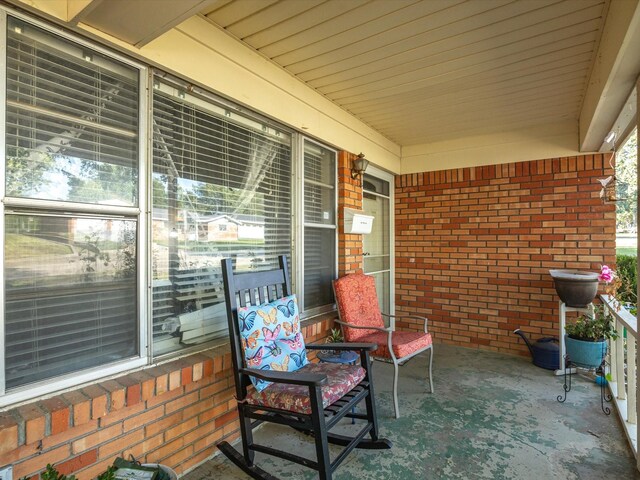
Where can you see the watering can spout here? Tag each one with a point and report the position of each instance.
(517, 331)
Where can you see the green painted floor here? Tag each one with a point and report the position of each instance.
(492, 416)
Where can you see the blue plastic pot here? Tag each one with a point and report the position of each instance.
(585, 354)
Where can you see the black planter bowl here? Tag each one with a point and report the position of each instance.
(574, 287)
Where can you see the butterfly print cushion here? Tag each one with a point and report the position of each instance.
(271, 338)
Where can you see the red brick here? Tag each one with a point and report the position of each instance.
(99, 403)
(8, 433)
(59, 414)
(80, 407)
(35, 422)
(76, 463)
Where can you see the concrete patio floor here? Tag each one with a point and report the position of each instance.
(492, 416)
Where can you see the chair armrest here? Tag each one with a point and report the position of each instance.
(369, 347)
(351, 325)
(292, 378)
(417, 317)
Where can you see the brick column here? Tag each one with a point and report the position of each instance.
(349, 196)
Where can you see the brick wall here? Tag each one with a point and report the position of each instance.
(474, 245)
(349, 196)
(173, 414)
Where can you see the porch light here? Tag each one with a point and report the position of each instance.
(359, 166)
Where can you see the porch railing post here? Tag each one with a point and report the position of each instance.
(631, 379)
(619, 361)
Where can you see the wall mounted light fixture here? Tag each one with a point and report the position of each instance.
(359, 166)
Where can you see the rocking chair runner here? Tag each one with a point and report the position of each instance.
(313, 398)
(361, 321)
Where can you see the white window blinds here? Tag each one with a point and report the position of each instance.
(72, 121)
(319, 225)
(71, 299)
(221, 188)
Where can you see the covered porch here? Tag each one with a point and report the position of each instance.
(492, 416)
(229, 128)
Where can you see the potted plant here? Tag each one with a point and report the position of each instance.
(586, 339)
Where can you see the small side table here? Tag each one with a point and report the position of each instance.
(348, 357)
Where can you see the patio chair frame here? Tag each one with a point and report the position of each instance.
(259, 288)
(397, 361)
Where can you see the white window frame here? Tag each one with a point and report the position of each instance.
(301, 224)
(69, 380)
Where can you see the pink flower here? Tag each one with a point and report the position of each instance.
(606, 274)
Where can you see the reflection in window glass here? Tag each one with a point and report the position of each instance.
(70, 293)
(72, 121)
(221, 188)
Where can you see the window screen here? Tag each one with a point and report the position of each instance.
(72, 121)
(319, 225)
(71, 297)
(221, 188)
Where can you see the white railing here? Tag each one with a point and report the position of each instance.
(624, 364)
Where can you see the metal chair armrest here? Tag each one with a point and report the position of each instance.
(417, 317)
(292, 378)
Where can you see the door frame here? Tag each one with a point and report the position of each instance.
(388, 177)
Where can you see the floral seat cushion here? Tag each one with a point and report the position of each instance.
(404, 343)
(341, 379)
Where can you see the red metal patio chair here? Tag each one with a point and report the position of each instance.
(362, 321)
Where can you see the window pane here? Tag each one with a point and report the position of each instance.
(220, 189)
(72, 121)
(71, 299)
(319, 209)
(319, 182)
(319, 266)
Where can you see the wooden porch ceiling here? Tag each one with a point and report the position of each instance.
(425, 71)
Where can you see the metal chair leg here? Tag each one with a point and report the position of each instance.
(395, 389)
(430, 369)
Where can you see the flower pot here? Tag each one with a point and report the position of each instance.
(584, 353)
(574, 287)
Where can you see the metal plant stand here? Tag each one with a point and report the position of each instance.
(601, 380)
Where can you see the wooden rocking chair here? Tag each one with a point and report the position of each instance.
(312, 398)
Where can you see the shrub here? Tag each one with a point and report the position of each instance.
(627, 270)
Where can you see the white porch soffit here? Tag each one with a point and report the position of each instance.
(426, 71)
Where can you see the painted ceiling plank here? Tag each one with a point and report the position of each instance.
(266, 18)
(359, 30)
(456, 58)
(415, 36)
(322, 13)
(409, 82)
(490, 99)
(232, 12)
(483, 80)
(392, 57)
(321, 31)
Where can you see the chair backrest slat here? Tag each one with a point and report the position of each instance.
(249, 288)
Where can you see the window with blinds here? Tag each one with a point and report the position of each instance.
(319, 225)
(221, 188)
(70, 279)
(72, 121)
